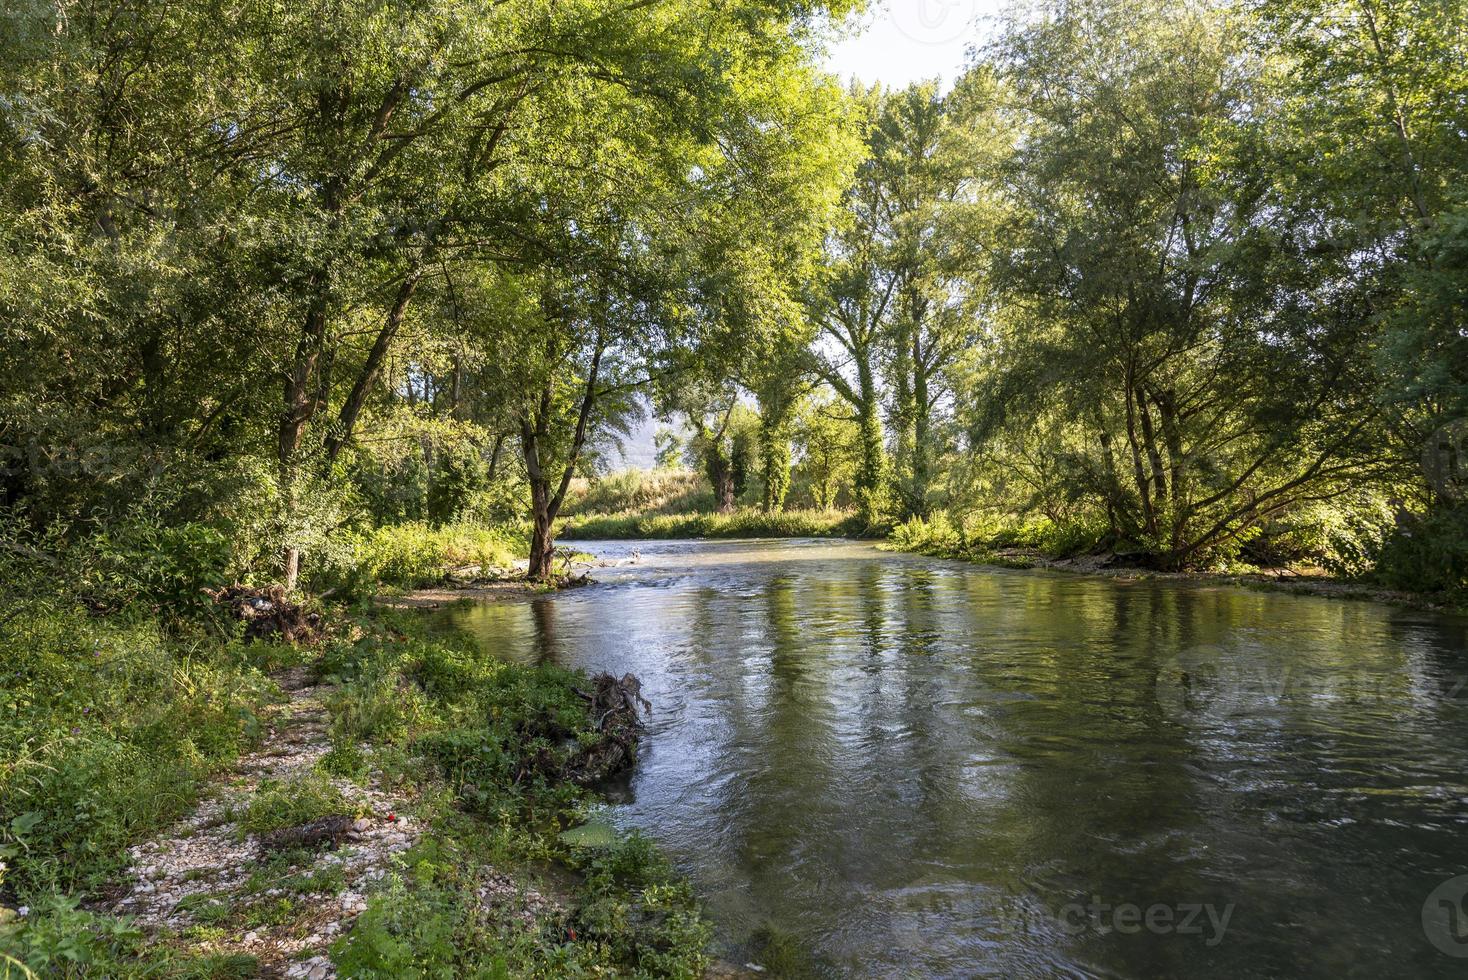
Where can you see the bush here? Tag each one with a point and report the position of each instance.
(638, 908)
(403, 933)
(1344, 535)
(377, 708)
(278, 804)
(662, 491)
(1428, 554)
(59, 939)
(417, 554)
(105, 734)
(526, 725)
(979, 537)
(505, 735)
(931, 537)
(164, 569)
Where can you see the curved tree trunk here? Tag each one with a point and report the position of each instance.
(545, 502)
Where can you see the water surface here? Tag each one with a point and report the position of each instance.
(924, 768)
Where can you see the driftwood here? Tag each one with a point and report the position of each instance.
(317, 835)
(616, 708)
(268, 614)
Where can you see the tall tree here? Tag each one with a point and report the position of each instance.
(928, 156)
(1148, 306)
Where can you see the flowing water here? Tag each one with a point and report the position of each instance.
(912, 767)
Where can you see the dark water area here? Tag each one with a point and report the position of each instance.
(924, 768)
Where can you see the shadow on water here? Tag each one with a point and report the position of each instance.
(879, 765)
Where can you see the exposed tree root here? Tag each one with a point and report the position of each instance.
(268, 614)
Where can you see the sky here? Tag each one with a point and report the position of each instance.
(905, 40)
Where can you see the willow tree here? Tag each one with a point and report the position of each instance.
(1365, 140)
(928, 156)
(136, 350)
(1153, 311)
(852, 301)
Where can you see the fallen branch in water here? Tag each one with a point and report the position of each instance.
(616, 707)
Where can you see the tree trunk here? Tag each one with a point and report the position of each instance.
(494, 457)
(542, 540)
(719, 468)
(299, 406)
(542, 544)
(1139, 472)
(546, 504)
(869, 471)
(921, 434)
(774, 461)
(352, 407)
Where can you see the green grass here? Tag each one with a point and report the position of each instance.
(658, 491)
(110, 729)
(497, 737)
(749, 523)
(289, 803)
(416, 554)
(107, 731)
(982, 540)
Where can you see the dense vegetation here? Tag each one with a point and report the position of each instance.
(1177, 280)
(1182, 282)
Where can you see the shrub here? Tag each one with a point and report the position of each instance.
(403, 933)
(1428, 554)
(740, 524)
(377, 708)
(530, 723)
(931, 537)
(663, 491)
(417, 554)
(166, 569)
(106, 731)
(636, 906)
(59, 939)
(289, 803)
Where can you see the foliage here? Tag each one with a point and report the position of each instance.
(748, 523)
(59, 939)
(1428, 553)
(827, 442)
(290, 803)
(934, 536)
(415, 554)
(107, 731)
(637, 907)
(502, 735)
(668, 490)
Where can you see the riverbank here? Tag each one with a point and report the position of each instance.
(753, 524)
(739, 524)
(1311, 582)
(383, 801)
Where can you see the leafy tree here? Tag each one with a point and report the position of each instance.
(929, 154)
(1146, 298)
(826, 440)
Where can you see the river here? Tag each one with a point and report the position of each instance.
(914, 767)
